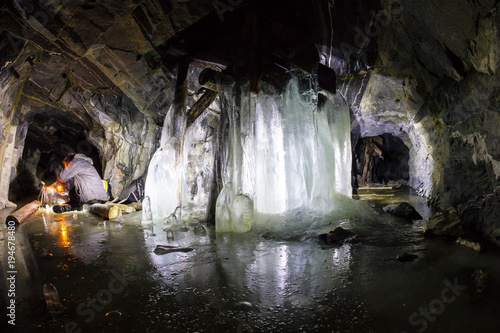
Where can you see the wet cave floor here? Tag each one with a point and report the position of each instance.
(109, 278)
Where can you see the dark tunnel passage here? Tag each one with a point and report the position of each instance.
(383, 159)
(48, 140)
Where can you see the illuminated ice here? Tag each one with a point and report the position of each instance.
(180, 172)
(222, 212)
(285, 160)
(163, 180)
(242, 214)
(147, 214)
(289, 157)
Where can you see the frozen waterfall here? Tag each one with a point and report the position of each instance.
(286, 159)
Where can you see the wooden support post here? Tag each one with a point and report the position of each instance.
(367, 157)
(179, 103)
(200, 106)
(367, 160)
(370, 148)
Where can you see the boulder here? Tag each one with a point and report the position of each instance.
(337, 236)
(404, 210)
(444, 224)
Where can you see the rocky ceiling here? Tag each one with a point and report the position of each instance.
(424, 71)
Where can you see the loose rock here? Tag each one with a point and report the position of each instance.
(164, 249)
(404, 210)
(480, 279)
(200, 230)
(337, 236)
(52, 299)
(470, 244)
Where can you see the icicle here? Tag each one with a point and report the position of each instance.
(147, 214)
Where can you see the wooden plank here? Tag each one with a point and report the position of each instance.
(200, 106)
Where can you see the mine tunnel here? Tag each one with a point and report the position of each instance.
(249, 165)
(381, 160)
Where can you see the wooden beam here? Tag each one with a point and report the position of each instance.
(22, 214)
(200, 106)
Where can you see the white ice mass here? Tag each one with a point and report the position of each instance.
(285, 159)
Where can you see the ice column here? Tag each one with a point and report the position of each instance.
(162, 182)
(339, 122)
(181, 171)
(285, 158)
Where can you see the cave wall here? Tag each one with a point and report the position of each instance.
(54, 87)
(435, 84)
(470, 174)
(426, 72)
(11, 130)
(101, 64)
(382, 104)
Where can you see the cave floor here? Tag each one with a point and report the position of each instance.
(382, 195)
(110, 280)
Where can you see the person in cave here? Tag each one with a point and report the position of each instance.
(85, 184)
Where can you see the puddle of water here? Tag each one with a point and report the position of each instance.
(109, 279)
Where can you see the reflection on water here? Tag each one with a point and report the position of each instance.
(240, 283)
(342, 257)
(65, 242)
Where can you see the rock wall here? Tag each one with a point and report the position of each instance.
(471, 162)
(382, 104)
(426, 72)
(435, 84)
(11, 130)
(99, 65)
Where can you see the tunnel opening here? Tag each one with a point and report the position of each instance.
(48, 140)
(381, 160)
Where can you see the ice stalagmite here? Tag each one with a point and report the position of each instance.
(163, 180)
(180, 172)
(285, 159)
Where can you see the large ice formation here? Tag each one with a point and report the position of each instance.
(285, 159)
(288, 158)
(181, 171)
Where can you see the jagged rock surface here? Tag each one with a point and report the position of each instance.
(93, 69)
(444, 224)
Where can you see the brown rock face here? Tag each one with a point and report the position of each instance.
(444, 224)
